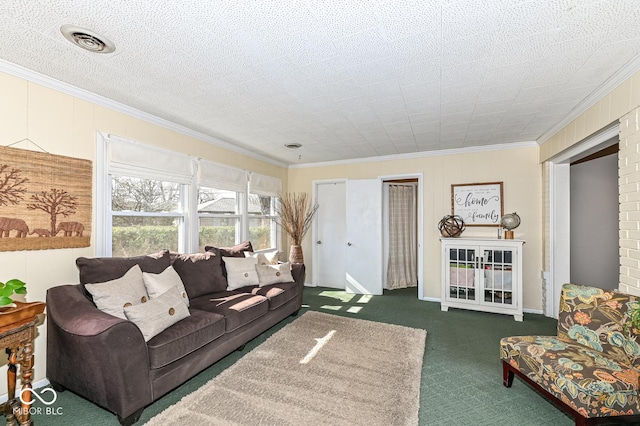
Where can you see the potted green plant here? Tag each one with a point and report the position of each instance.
(8, 289)
(634, 319)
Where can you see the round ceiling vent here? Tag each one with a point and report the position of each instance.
(87, 39)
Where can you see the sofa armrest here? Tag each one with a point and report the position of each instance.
(298, 273)
(94, 354)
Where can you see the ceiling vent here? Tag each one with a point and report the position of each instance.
(87, 39)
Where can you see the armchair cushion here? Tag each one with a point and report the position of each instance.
(592, 366)
(590, 382)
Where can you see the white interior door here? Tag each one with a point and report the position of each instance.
(364, 236)
(330, 247)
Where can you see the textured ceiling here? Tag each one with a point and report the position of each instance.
(344, 78)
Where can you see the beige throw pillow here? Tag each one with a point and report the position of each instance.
(274, 274)
(158, 314)
(113, 296)
(241, 272)
(265, 258)
(157, 284)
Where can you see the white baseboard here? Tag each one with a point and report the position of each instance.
(37, 384)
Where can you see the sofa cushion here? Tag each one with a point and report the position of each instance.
(278, 294)
(241, 272)
(157, 314)
(237, 308)
(201, 273)
(583, 377)
(274, 274)
(235, 251)
(101, 269)
(158, 284)
(113, 296)
(184, 337)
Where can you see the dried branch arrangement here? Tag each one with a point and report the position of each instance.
(296, 215)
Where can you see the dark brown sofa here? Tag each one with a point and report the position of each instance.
(106, 360)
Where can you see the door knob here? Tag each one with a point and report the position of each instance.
(318, 242)
(349, 244)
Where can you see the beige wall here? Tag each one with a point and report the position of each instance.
(66, 125)
(621, 106)
(518, 168)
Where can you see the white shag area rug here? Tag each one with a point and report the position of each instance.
(320, 369)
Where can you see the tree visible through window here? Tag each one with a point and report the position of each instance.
(146, 215)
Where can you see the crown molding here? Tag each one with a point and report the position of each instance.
(52, 83)
(627, 71)
(422, 154)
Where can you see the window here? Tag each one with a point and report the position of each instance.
(146, 215)
(219, 218)
(158, 199)
(263, 190)
(262, 228)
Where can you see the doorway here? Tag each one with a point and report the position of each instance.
(594, 227)
(558, 173)
(400, 248)
(349, 239)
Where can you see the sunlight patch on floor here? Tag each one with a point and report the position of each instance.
(338, 295)
(320, 343)
(331, 307)
(346, 298)
(365, 298)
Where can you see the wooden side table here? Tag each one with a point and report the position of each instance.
(17, 332)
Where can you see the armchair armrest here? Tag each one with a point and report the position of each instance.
(96, 355)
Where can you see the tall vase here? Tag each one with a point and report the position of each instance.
(295, 254)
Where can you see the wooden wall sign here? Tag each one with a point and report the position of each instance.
(479, 204)
(45, 200)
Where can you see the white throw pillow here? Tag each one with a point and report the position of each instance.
(112, 296)
(158, 314)
(157, 284)
(274, 274)
(241, 272)
(265, 257)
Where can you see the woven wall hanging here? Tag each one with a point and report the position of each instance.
(45, 200)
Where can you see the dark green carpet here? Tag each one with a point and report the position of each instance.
(461, 374)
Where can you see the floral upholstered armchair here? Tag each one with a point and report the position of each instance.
(591, 368)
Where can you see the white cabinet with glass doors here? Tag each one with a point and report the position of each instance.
(482, 275)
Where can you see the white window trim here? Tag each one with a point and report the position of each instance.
(188, 235)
